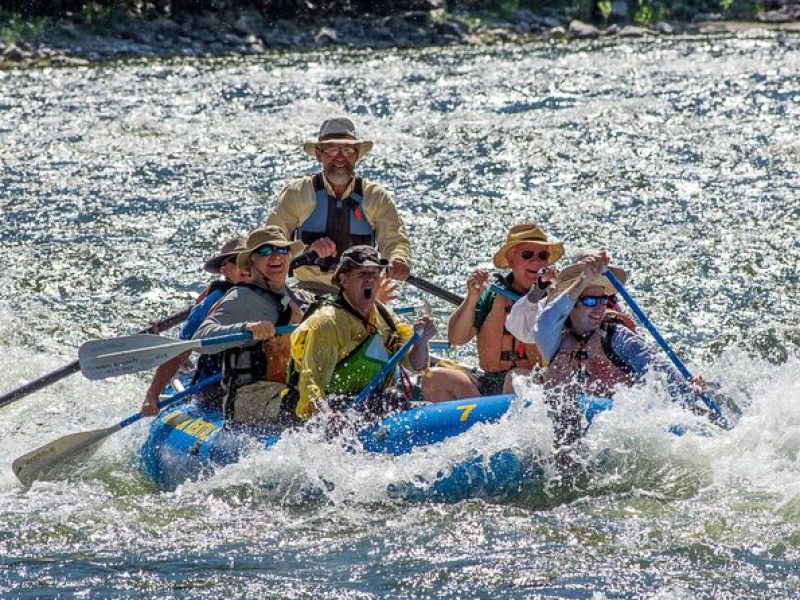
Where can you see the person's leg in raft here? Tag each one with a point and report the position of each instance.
(440, 384)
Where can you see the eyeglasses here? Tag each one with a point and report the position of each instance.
(332, 151)
(529, 254)
(592, 301)
(269, 250)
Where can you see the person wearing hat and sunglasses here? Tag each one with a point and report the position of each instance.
(347, 340)
(334, 209)
(254, 376)
(589, 351)
(529, 255)
(224, 264)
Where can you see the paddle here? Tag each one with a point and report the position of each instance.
(434, 289)
(119, 356)
(387, 368)
(712, 406)
(34, 464)
(74, 366)
(501, 291)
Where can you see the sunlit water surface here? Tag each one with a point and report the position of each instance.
(680, 156)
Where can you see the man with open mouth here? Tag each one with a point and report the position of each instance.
(346, 339)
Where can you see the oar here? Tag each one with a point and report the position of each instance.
(119, 356)
(434, 289)
(712, 406)
(34, 464)
(74, 366)
(387, 368)
(501, 291)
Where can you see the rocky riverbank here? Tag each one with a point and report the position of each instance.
(65, 43)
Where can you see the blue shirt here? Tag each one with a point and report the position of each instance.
(198, 314)
(548, 332)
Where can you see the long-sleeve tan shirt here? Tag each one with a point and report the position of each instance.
(297, 201)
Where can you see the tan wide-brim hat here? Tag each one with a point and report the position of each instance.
(339, 130)
(523, 234)
(229, 249)
(569, 274)
(271, 235)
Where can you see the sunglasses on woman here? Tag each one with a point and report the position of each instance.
(529, 254)
(592, 301)
(269, 250)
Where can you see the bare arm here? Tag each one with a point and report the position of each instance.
(161, 378)
(461, 327)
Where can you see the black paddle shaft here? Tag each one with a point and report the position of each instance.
(434, 289)
(75, 365)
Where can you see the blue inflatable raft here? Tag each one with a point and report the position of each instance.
(189, 441)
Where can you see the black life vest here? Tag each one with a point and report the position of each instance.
(263, 360)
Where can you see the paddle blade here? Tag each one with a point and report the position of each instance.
(100, 359)
(37, 463)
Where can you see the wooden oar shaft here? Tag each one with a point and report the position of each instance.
(434, 289)
(75, 365)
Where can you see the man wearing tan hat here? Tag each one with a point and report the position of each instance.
(254, 376)
(334, 210)
(589, 351)
(223, 263)
(529, 254)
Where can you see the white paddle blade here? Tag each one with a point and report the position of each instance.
(37, 463)
(100, 359)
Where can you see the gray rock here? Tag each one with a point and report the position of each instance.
(231, 39)
(581, 30)
(708, 17)
(326, 36)
(69, 29)
(249, 23)
(546, 22)
(631, 31)
(557, 33)
(664, 28)
(15, 54)
(166, 27)
(449, 28)
(523, 15)
(612, 30)
(207, 20)
(785, 14)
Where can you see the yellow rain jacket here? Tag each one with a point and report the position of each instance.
(326, 338)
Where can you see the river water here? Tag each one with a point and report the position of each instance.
(681, 156)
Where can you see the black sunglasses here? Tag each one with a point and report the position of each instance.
(529, 254)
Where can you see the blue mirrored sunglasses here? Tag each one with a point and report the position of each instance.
(268, 250)
(591, 301)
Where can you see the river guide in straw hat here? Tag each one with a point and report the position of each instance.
(334, 209)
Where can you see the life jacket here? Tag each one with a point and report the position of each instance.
(353, 372)
(263, 361)
(342, 220)
(210, 364)
(587, 364)
(498, 350)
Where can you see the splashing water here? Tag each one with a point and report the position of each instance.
(680, 156)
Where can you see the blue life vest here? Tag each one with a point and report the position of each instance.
(342, 220)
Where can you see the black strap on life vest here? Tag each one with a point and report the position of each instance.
(519, 352)
(231, 371)
(337, 224)
(606, 332)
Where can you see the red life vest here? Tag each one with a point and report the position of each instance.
(587, 364)
(498, 350)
